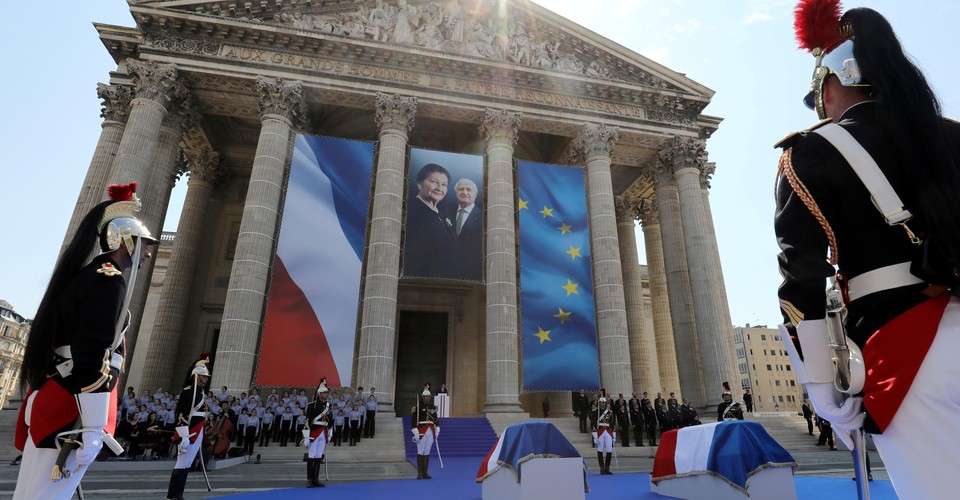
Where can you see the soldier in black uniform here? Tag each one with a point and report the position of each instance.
(581, 408)
(74, 354)
(316, 434)
(896, 268)
(425, 429)
(191, 412)
(649, 422)
(728, 409)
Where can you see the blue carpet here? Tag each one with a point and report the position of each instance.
(456, 482)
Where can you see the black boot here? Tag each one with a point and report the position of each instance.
(600, 460)
(316, 472)
(609, 456)
(310, 471)
(178, 482)
(426, 466)
(419, 466)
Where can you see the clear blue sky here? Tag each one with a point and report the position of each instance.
(742, 49)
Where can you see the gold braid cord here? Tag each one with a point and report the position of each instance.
(785, 168)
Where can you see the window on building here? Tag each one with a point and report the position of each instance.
(793, 383)
(781, 398)
(769, 368)
(788, 367)
(778, 383)
(764, 352)
(763, 337)
(751, 352)
(776, 337)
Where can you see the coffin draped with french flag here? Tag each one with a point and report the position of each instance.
(524, 441)
(733, 451)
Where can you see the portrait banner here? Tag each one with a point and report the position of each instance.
(558, 325)
(310, 326)
(444, 228)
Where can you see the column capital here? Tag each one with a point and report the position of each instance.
(204, 165)
(648, 212)
(706, 174)
(180, 115)
(681, 152)
(116, 101)
(395, 111)
(627, 208)
(155, 82)
(500, 124)
(282, 98)
(595, 140)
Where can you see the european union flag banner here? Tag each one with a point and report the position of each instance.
(559, 332)
(311, 321)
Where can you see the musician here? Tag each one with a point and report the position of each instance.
(897, 284)
(317, 433)
(74, 354)
(191, 418)
(603, 435)
(425, 429)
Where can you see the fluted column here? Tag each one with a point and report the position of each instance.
(116, 108)
(378, 334)
(500, 129)
(714, 251)
(659, 300)
(678, 284)
(281, 105)
(205, 171)
(686, 158)
(594, 145)
(643, 353)
(155, 86)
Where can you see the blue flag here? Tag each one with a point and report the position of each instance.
(559, 333)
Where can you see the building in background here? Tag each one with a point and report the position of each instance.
(764, 367)
(14, 330)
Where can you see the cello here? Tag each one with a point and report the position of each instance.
(220, 436)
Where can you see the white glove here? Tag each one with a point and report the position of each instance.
(182, 447)
(92, 442)
(843, 413)
(306, 442)
(436, 431)
(416, 434)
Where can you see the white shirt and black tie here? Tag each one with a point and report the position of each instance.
(463, 213)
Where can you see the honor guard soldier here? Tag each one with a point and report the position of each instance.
(603, 435)
(425, 430)
(728, 409)
(869, 196)
(316, 434)
(191, 418)
(74, 355)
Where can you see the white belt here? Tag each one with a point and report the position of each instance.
(878, 280)
(66, 368)
(198, 414)
(426, 422)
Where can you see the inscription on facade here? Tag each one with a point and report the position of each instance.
(434, 81)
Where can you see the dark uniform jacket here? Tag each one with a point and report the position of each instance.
(189, 401)
(425, 412)
(864, 240)
(314, 410)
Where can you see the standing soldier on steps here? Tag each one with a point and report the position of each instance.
(603, 435)
(425, 430)
(191, 418)
(317, 434)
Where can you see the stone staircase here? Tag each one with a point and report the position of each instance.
(385, 447)
(8, 426)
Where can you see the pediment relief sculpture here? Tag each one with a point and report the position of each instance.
(449, 27)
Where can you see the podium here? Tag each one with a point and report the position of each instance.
(732, 460)
(533, 461)
(443, 405)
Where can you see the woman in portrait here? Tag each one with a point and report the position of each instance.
(431, 249)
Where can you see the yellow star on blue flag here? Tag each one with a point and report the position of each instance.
(543, 335)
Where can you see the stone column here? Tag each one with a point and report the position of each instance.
(705, 176)
(281, 105)
(678, 285)
(378, 334)
(659, 300)
(594, 145)
(686, 158)
(643, 354)
(500, 129)
(116, 108)
(155, 86)
(205, 172)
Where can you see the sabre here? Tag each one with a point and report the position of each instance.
(203, 468)
(436, 442)
(849, 377)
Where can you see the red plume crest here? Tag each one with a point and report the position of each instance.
(726, 386)
(122, 192)
(817, 24)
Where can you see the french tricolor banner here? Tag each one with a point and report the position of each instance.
(733, 451)
(310, 326)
